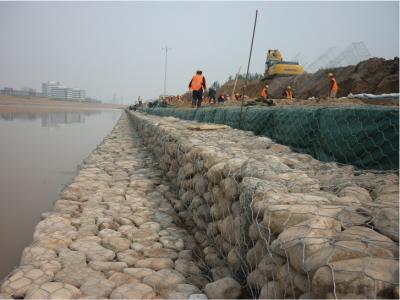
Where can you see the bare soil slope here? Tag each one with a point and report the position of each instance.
(375, 75)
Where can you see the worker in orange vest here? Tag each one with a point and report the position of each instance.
(288, 93)
(264, 92)
(197, 84)
(333, 87)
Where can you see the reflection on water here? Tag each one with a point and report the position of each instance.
(39, 155)
(50, 119)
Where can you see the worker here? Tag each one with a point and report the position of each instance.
(333, 87)
(288, 93)
(211, 95)
(237, 96)
(221, 99)
(264, 92)
(197, 84)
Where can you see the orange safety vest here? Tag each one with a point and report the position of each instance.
(334, 84)
(289, 94)
(197, 82)
(264, 93)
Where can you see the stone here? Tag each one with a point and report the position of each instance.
(53, 290)
(133, 291)
(93, 250)
(185, 254)
(200, 184)
(97, 288)
(188, 170)
(220, 272)
(369, 236)
(367, 276)
(234, 259)
(280, 217)
(225, 288)
(198, 296)
(139, 273)
(130, 257)
(108, 232)
(213, 260)
(215, 173)
(115, 243)
(164, 279)
(256, 254)
(187, 289)
(271, 290)
(353, 216)
(155, 227)
(256, 279)
(155, 263)
(254, 231)
(261, 142)
(127, 230)
(47, 266)
(386, 221)
(357, 192)
(230, 229)
(144, 235)
(307, 238)
(77, 274)
(22, 278)
(120, 278)
(160, 253)
(69, 257)
(34, 254)
(87, 230)
(172, 242)
(107, 265)
(55, 241)
(230, 188)
(54, 225)
(186, 267)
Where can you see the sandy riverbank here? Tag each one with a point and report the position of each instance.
(18, 104)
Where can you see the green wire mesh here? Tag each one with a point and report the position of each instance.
(366, 137)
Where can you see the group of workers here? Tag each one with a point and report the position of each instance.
(198, 84)
(289, 94)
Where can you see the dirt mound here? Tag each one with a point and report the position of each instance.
(375, 76)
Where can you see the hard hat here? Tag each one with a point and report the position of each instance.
(289, 87)
(330, 74)
(267, 86)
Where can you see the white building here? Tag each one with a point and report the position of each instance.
(60, 92)
(54, 90)
(78, 94)
(47, 86)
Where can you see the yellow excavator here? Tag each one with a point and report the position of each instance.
(276, 66)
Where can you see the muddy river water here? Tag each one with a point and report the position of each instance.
(39, 155)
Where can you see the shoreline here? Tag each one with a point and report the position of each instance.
(10, 104)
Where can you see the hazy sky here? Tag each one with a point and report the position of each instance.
(115, 47)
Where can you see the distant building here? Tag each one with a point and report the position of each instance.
(54, 90)
(47, 87)
(26, 92)
(78, 94)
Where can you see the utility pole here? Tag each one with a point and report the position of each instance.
(165, 69)
(247, 73)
